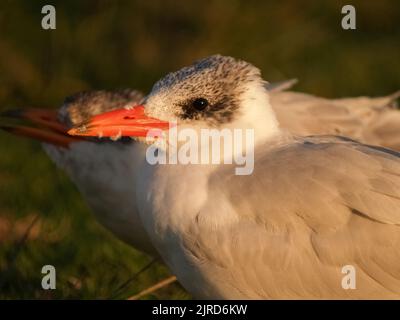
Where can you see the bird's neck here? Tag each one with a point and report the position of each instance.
(257, 114)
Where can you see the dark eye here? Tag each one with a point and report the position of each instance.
(200, 104)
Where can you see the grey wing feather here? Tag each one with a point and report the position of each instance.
(280, 86)
(369, 120)
(310, 208)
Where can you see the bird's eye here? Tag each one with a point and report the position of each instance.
(200, 104)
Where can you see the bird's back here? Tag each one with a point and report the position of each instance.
(368, 120)
(312, 206)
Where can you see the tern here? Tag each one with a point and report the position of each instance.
(103, 176)
(312, 206)
(98, 167)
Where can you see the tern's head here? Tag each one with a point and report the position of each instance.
(51, 126)
(80, 107)
(214, 89)
(214, 92)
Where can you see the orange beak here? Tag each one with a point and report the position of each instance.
(121, 123)
(47, 127)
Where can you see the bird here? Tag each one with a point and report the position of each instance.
(96, 166)
(365, 119)
(312, 205)
(89, 162)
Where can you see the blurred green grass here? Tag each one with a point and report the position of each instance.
(111, 44)
(89, 261)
